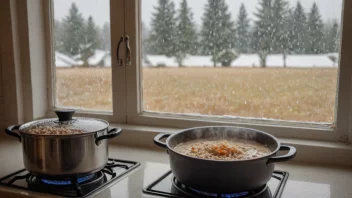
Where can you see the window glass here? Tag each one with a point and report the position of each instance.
(271, 59)
(82, 54)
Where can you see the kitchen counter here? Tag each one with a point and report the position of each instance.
(305, 180)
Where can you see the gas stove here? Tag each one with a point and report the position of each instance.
(82, 186)
(168, 186)
(156, 177)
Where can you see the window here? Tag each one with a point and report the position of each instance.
(261, 59)
(82, 46)
(266, 64)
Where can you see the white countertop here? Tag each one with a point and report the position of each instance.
(305, 180)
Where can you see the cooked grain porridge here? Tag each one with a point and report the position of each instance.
(47, 130)
(223, 149)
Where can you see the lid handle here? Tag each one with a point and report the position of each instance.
(65, 114)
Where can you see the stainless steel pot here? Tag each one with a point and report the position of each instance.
(216, 176)
(65, 155)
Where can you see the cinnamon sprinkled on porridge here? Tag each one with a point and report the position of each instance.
(223, 149)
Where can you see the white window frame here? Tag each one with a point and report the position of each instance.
(339, 131)
(127, 97)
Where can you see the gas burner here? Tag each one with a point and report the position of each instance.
(70, 187)
(65, 182)
(168, 186)
(76, 186)
(191, 192)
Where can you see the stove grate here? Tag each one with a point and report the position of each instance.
(164, 187)
(71, 187)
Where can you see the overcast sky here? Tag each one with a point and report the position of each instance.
(99, 9)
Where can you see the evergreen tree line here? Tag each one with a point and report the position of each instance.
(278, 28)
(75, 35)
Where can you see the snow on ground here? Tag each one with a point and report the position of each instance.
(335, 56)
(246, 60)
(107, 60)
(160, 61)
(103, 58)
(307, 61)
(60, 63)
(277, 60)
(189, 61)
(198, 61)
(145, 63)
(62, 60)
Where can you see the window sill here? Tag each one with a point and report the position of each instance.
(321, 152)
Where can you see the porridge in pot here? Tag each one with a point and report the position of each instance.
(223, 149)
(48, 130)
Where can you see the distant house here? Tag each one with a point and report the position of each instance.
(159, 61)
(100, 58)
(62, 60)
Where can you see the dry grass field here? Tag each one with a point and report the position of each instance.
(288, 94)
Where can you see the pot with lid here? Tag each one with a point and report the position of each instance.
(64, 146)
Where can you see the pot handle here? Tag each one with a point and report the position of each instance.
(290, 155)
(9, 131)
(157, 139)
(111, 134)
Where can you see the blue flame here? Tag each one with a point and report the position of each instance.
(67, 182)
(233, 195)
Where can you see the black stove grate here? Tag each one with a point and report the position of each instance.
(191, 192)
(71, 187)
(167, 186)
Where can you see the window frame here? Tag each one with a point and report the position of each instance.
(127, 94)
(118, 113)
(340, 130)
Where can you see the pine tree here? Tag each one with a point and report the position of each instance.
(263, 30)
(298, 32)
(286, 37)
(242, 31)
(145, 35)
(332, 37)
(315, 36)
(185, 33)
(58, 36)
(73, 27)
(105, 37)
(162, 39)
(280, 21)
(217, 31)
(92, 34)
(91, 40)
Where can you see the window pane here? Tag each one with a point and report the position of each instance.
(82, 54)
(272, 59)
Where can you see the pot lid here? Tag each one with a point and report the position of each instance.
(64, 122)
